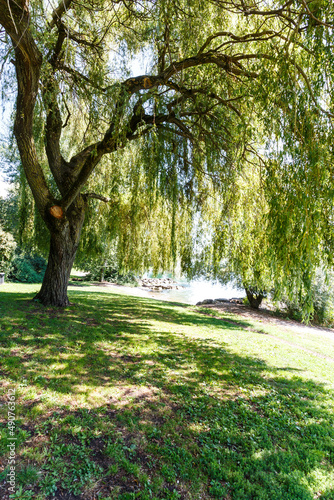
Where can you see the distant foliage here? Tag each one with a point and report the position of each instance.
(7, 248)
(107, 270)
(113, 276)
(26, 268)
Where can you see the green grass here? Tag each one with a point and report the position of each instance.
(121, 397)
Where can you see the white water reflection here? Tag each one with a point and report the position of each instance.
(194, 292)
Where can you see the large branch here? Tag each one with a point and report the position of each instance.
(63, 6)
(85, 162)
(91, 156)
(54, 123)
(62, 171)
(227, 63)
(144, 82)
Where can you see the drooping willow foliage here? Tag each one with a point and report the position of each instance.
(147, 223)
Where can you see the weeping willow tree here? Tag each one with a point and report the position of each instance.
(214, 71)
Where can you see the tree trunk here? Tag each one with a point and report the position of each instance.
(254, 298)
(64, 241)
(102, 271)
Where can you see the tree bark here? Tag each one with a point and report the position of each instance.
(64, 242)
(254, 298)
(102, 271)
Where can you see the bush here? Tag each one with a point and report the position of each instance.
(26, 268)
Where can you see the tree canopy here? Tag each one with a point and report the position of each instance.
(227, 84)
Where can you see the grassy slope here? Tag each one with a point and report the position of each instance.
(124, 397)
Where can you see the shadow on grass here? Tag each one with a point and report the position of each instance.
(189, 417)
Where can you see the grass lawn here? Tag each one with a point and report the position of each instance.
(120, 397)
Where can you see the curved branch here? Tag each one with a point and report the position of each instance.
(97, 197)
(228, 63)
(250, 37)
(317, 20)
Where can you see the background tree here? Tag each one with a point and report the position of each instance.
(211, 68)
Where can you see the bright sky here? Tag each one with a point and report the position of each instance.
(5, 121)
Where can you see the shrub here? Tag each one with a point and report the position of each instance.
(26, 268)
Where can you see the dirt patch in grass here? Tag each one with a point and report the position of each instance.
(126, 395)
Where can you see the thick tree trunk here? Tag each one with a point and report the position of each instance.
(254, 298)
(65, 237)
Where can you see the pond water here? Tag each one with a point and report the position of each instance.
(196, 291)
